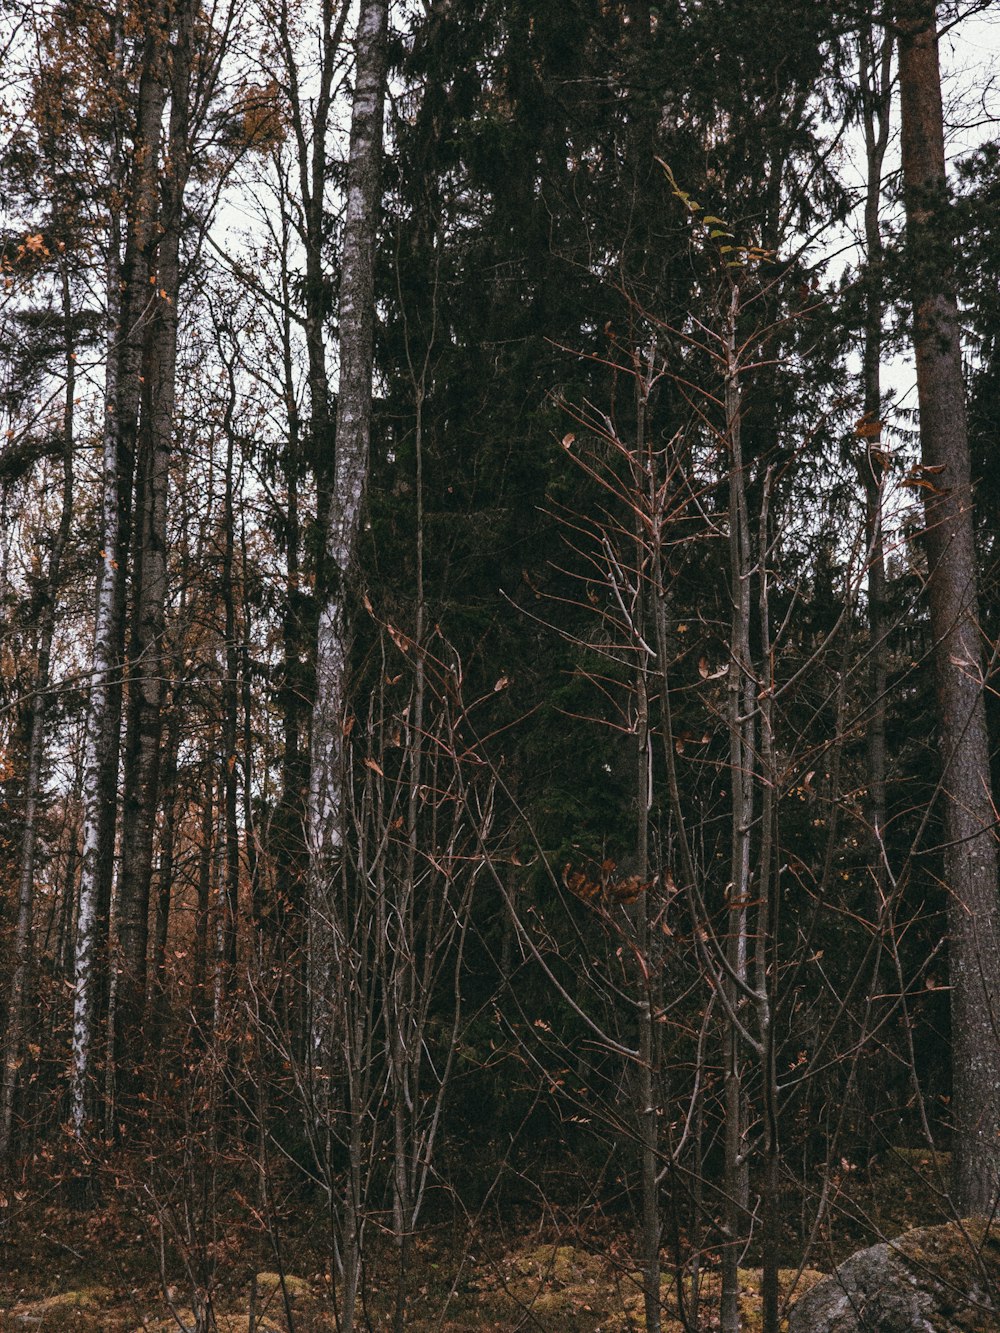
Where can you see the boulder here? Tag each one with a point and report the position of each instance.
(942, 1279)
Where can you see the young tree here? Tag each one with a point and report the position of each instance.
(332, 1047)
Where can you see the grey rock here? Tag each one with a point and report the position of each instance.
(931, 1280)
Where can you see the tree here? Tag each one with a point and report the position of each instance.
(126, 304)
(970, 856)
(332, 981)
(47, 595)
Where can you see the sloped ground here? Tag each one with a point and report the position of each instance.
(99, 1267)
(547, 1287)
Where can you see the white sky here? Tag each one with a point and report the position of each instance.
(970, 65)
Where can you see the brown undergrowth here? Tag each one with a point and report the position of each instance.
(93, 1253)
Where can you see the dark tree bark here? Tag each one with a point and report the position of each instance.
(742, 749)
(165, 874)
(230, 720)
(147, 656)
(970, 857)
(874, 78)
(127, 300)
(17, 990)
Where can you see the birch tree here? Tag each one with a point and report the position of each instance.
(330, 971)
(357, 319)
(126, 300)
(147, 657)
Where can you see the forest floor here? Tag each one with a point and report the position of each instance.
(130, 1262)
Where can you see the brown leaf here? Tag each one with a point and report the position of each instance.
(628, 890)
(398, 638)
(706, 672)
(923, 484)
(370, 763)
(869, 427)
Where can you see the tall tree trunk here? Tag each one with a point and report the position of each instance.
(310, 122)
(127, 298)
(874, 79)
(148, 660)
(741, 758)
(13, 1039)
(970, 857)
(230, 715)
(329, 959)
(357, 321)
(200, 998)
(646, 971)
(310, 126)
(246, 703)
(768, 910)
(165, 876)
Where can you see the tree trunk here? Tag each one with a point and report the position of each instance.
(36, 746)
(330, 955)
(742, 693)
(148, 660)
(875, 86)
(165, 877)
(357, 321)
(199, 1000)
(970, 858)
(127, 296)
(230, 895)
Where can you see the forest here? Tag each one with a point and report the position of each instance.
(499, 643)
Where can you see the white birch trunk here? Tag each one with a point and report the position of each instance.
(124, 315)
(104, 662)
(357, 319)
(333, 986)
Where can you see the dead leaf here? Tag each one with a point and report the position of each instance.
(398, 638)
(869, 427)
(706, 672)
